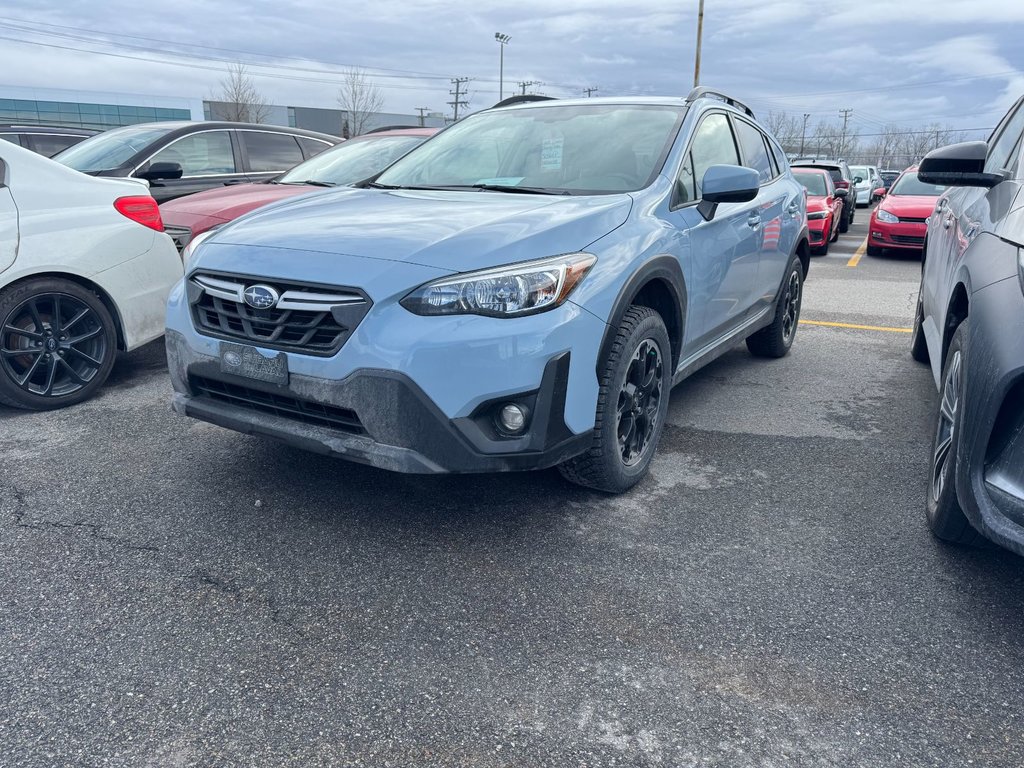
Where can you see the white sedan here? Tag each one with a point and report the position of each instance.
(85, 269)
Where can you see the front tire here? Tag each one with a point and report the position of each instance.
(776, 339)
(918, 344)
(946, 519)
(874, 250)
(631, 406)
(846, 220)
(57, 344)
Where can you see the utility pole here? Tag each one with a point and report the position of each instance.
(590, 91)
(803, 133)
(842, 143)
(528, 84)
(458, 93)
(502, 42)
(700, 29)
(423, 111)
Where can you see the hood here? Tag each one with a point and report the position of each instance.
(456, 231)
(914, 206)
(230, 202)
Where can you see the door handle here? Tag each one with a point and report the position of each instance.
(948, 221)
(792, 209)
(754, 220)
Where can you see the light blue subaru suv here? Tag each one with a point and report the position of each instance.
(521, 291)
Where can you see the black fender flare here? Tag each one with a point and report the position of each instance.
(663, 268)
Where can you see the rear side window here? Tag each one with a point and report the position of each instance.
(11, 137)
(49, 144)
(271, 151)
(1001, 153)
(201, 154)
(712, 144)
(311, 147)
(755, 154)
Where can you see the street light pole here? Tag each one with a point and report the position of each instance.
(502, 42)
(700, 30)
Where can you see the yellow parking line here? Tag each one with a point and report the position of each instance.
(857, 327)
(855, 259)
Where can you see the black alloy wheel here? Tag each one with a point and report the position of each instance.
(639, 403)
(57, 344)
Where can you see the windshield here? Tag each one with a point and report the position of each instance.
(110, 149)
(859, 170)
(814, 183)
(910, 184)
(558, 149)
(352, 160)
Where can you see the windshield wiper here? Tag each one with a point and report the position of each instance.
(522, 190)
(312, 182)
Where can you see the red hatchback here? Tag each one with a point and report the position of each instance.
(824, 207)
(899, 221)
(346, 163)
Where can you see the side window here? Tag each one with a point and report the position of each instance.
(11, 137)
(712, 144)
(49, 144)
(201, 154)
(779, 155)
(755, 154)
(312, 147)
(1000, 153)
(271, 151)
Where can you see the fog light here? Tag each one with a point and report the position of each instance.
(877, 235)
(512, 418)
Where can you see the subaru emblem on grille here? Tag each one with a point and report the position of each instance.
(261, 296)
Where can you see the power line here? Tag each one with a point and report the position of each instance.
(590, 91)
(528, 84)
(458, 82)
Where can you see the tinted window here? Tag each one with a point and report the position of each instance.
(201, 154)
(1000, 154)
(712, 144)
(755, 155)
(50, 145)
(271, 151)
(311, 146)
(11, 137)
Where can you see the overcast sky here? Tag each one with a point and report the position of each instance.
(910, 61)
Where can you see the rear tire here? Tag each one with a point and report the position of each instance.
(846, 220)
(776, 339)
(632, 405)
(57, 344)
(946, 519)
(918, 345)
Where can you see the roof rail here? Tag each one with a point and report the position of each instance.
(390, 128)
(703, 92)
(522, 98)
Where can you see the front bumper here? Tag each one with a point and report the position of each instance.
(990, 468)
(906, 235)
(818, 231)
(378, 417)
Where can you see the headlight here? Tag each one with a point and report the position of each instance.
(518, 289)
(888, 218)
(189, 252)
(817, 215)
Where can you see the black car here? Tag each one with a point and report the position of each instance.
(179, 158)
(842, 178)
(45, 139)
(970, 325)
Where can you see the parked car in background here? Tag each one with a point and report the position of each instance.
(899, 222)
(824, 207)
(521, 291)
(346, 163)
(841, 179)
(888, 177)
(865, 181)
(85, 270)
(44, 139)
(970, 326)
(180, 158)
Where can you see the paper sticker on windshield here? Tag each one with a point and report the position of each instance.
(551, 154)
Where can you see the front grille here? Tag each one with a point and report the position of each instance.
(912, 220)
(181, 236)
(286, 407)
(908, 239)
(306, 319)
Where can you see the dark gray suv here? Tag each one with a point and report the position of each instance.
(970, 326)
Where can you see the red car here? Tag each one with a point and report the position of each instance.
(899, 221)
(346, 163)
(824, 207)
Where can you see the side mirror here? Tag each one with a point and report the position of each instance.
(157, 171)
(880, 192)
(726, 184)
(842, 192)
(958, 165)
(857, 179)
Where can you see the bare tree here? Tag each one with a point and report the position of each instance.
(360, 98)
(783, 127)
(240, 100)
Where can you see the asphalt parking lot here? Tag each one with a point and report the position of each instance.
(174, 594)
